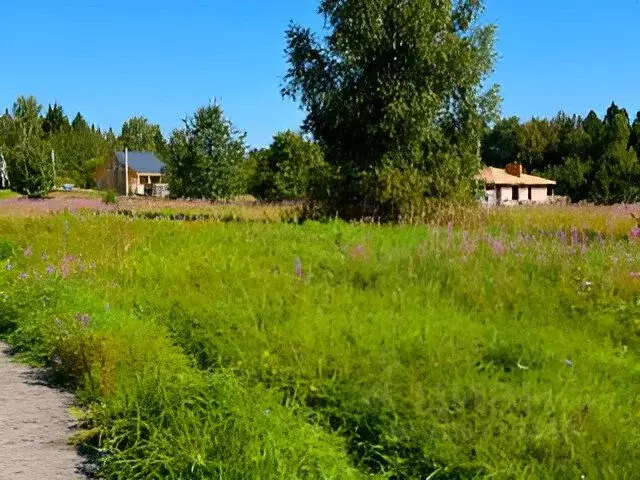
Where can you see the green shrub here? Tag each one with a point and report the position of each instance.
(6, 250)
(109, 197)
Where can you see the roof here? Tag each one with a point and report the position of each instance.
(497, 176)
(142, 162)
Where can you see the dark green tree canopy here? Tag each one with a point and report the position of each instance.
(591, 159)
(500, 145)
(286, 169)
(204, 158)
(55, 120)
(395, 90)
(79, 124)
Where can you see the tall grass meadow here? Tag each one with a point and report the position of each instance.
(500, 347)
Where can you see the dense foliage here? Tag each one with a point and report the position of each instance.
(205, 158)
(395, 95)
(249, 350)
(288, 169)
(591, 159)
(140, 135)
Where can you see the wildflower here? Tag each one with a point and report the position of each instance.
(359, 251)
(635, 275)
(92, 266)
(574, 236)
(28, 251)
(298, 264)
(23, 275)
(635, 233)
(56, 360)
(568, 363)
(497, 246)
(51, 269)
(44, 257)
(9, 266)
(562, 236)
(84, 319)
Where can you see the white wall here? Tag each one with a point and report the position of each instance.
(505, 195)
(523, 194)
(539, 194)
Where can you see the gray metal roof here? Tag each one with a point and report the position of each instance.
(142, 162)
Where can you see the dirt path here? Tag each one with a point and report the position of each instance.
(34, 427)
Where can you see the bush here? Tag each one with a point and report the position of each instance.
(30, 169)
(109, 197)
(286, 169)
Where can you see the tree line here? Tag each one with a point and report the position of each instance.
(29, 136)
(591, 158)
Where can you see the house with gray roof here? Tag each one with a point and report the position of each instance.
(146, 174)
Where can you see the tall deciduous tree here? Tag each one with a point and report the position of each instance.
(204, 158)
(395, 95)
(138, 134)
(28, 154)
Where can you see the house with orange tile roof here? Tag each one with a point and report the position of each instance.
(511, 186)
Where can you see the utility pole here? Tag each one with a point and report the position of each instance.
(53, 164)
(126, 171)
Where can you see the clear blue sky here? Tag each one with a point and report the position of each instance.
(111, 59)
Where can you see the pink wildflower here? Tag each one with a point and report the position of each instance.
(298, 264)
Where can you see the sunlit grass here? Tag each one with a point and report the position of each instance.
(7, 194)
(505, 349)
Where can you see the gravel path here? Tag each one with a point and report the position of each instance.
(34, 427)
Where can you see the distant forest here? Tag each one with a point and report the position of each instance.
(591, 158)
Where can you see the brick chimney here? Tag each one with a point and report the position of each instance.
(514, 169)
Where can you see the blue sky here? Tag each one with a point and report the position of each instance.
(162, 59)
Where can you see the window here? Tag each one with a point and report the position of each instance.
(530, 194)
(515, 193)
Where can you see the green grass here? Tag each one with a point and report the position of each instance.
(249, 350)
(7, 194)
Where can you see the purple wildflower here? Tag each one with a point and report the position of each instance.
(51, 269)
(9, 266)
(23, 275)
(298, 264)
(635, 233)
(497, 246)
(84, 319)
(562, 236)
(574, 236)
(28, 251)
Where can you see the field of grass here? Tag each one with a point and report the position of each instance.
(7, 194)
(507, 348)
